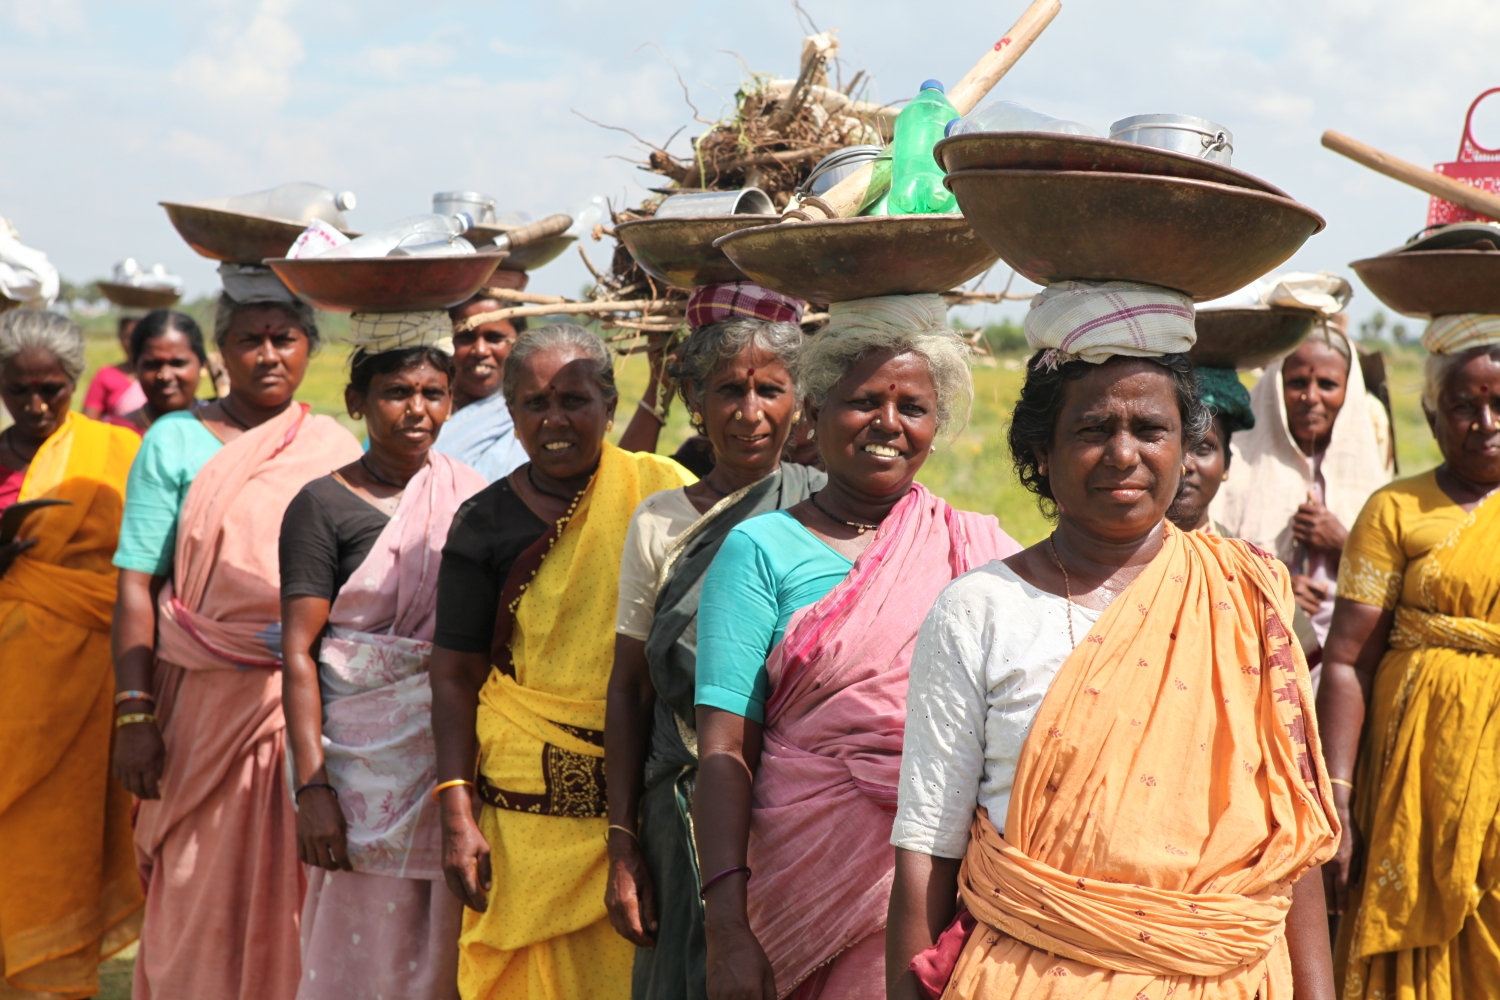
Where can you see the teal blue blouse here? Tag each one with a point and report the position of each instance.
(768, 568)
(174, 449)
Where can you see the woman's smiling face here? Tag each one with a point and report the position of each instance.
(877, 425)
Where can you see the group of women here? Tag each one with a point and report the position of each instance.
(858, 743)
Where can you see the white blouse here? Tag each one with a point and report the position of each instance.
(657, 522)
(984, 660)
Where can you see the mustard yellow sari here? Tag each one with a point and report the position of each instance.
(69, 895)
(1424, 924)
(546, 933)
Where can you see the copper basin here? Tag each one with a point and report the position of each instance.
(835, 260)
(1198, 237)
(1427, 283)
(1249, 337)
(234, 236)
(386, 284)
(527, 257)
(681, 251)
(136, 297)
(1050, 151)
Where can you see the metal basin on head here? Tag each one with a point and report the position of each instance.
(1427, 283)
(836, 260)
(681, 251)
(1249, 336)
(137, 296)
(234, 236)
(386, 284)
(1194, 236)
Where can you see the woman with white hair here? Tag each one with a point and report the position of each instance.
(805, 631)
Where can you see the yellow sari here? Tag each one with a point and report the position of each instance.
(1425, 921)
(546, 933)
(69, 894)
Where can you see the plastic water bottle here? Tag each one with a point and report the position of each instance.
(418, 235)
(298, 201)
(916, 179)
(1008, 116)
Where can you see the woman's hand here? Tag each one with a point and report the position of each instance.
(322, 832)
(1343, 869)
(10, 550)
(139, 754)
(466, 854)
(738, 968)
(630, 895)
(1309, 593)
(1315, 526)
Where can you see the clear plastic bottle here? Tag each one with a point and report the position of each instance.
(417, 235)
(298, 201)
(1008, 116)
(916, 178)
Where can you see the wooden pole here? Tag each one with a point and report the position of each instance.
(1434, 183)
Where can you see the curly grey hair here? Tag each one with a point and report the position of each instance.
(24, 329)
(560, 335)
(828, 357)
(712, 346)
(1438, 368)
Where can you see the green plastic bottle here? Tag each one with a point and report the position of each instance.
(916, 179)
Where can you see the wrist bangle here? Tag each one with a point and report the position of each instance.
(124, 696)
(703, 893)
(623, 829)
(133, 718)
(660, 418)
(1340, 781)
(297, 795)
(450, 784)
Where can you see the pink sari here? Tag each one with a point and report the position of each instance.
(390, 927)
(217, 851)
(825, 794)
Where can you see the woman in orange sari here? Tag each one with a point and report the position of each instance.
(1111, 755)
(197, 644)
(69, 896)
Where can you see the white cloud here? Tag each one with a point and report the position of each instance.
(243, 59)
(400, 62)
(43, 18)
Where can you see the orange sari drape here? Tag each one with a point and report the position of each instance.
(69, 895)
(1170, 793)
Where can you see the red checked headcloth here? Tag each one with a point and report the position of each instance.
(716, 303)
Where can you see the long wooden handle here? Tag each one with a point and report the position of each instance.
(847, 197)
(552, 225)
(1434, 183)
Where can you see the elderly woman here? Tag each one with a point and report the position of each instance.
(737, 377)
(166, 351)
(527, 598)
(197, 650)
(360, 551)
(1206, 464)
(69, 895)
(1408, 704)
(805, 632)
(1111, 755)
(1300, 477)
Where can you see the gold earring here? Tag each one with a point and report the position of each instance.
(1042, 469)
(611, 425)
(1224, 478)
(697, 417)
(796, 416)
(1183, 472)
(739, 414)
(931, 449)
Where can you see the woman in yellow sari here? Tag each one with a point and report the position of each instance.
(527, 598)
(69, 895)
(1410, 701)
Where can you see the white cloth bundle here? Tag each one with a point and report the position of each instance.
(26, 275)
(376, 333)
(1096, 320)
(888, 313)
(1461, 331)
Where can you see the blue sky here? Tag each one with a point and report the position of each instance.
(109, 107)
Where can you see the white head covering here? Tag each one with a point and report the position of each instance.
(1096, 320)
(1323, 291)
(1461, 331)
(26, 276)
(903, 314)
(376, 333)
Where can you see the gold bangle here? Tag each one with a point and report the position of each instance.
(1340, 781)
(124, 696)
(450, 784)
(134, 717)
(623, 829)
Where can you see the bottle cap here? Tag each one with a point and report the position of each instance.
(936, 85)
(345, 201)
(948, 128)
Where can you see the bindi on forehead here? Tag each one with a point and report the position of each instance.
(750, 373)
(893, 387)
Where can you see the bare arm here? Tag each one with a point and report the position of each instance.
(1307, 940)
(139, 751)
(322, 833)
(728, 755)
(924, 898)
(456, 680)
(644, 430)
(1356, 642)
(630, 895)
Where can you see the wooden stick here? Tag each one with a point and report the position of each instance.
(578, 309)
(512, 295)
(848, 195)
(1434, 183)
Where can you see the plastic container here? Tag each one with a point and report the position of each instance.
(916, 179)
(1008, 116)
(418, 235)
(298, 201)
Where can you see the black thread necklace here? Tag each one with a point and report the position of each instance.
(224, 409)
(530, 478)
(364, 464)
(859, 525)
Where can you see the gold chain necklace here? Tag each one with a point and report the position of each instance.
(1067, 589)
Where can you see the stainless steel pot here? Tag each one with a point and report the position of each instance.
(836, 166)
(746, 201)
(1178, 133)
(481, 207)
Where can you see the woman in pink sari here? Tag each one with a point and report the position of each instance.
(360, 551)
(806, 627)
(197, 648)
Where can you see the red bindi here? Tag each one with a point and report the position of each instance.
(750, 373)
(893, 387)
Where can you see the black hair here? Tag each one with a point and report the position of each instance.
(1034, 421)
(363, 366)
(159, 323)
